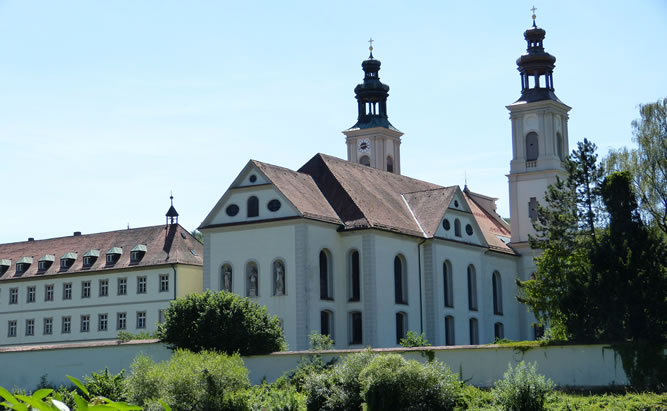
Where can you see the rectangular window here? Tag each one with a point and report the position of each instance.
(85, 289)
(122, 286)
(32, 293)
(85, 323)
(48, 292)
(449, 330)
(532, 208)
(141, 285)
(11, 328)
(48, 326)
(164, 282)
(102, 322)
(121, 321)
(13, 295)
(160, 316)
(355, 328)
(30, 327)
(66, 325)
(104, 288)
(67, 291)
(141, 319)
(498, 331)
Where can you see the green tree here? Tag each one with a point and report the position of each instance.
(223, 322)
(647, 162)
(412, 339)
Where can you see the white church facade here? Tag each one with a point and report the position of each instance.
(353, 249)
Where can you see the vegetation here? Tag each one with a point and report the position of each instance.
(522, 389)
(602, 275)
(319, 342)
(188, 381)
(647, 163)
(223, 322)
(412, 339)
(124, 336)
(105, 384)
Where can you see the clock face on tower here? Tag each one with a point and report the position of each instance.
(364, 145)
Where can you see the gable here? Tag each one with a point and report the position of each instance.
(459, 223)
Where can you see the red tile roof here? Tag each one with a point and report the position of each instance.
(164, 245)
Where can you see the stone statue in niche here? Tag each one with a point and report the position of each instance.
(227, 278)
(252, 281)
(279, 276)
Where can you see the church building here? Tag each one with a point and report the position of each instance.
(356, 250)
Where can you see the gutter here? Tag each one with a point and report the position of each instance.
(173, 267)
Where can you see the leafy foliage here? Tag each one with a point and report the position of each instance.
(124, 336)
(222, 322)
(648, 162)
(319, 342)
(522, 389)
(596, 283)
(412, 339)
(106, 385)
(192, 381)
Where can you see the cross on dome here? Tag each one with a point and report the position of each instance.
(534, 16)
(371, 46)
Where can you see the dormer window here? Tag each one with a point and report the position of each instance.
(23, 264)
(67, 261)
(4, 265)
(113, 255)
(90, 257)
(137, 253)
(45, 262)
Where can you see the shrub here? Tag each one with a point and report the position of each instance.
(265, 397)
(337, 388)
(522, 389)
(192, 381)
(319, 342)
(391, 382)
(412, 339)
(104, 384)
(222, 322)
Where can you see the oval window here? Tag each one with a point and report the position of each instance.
(253, 178)
(232, 210)
(456, 203)
(468, 229)
(274, 205)
(445, 224)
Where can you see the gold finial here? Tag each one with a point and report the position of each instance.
(534, 16)
(371, 46)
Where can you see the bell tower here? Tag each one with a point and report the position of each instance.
(373, 141)
(539, 136)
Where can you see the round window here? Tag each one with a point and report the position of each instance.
(232, 210)
(469, 229)
(445, 224)
(456, 203)
(253, 178)
(274, 205)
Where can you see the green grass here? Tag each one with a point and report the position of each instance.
(474, 398)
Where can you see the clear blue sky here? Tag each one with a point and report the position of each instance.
(106, 106)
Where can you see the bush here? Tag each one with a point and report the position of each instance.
(391, 382)
(412, 339)
(188, 381)
(337, 388)
(103, 384)
(265, 398)
(522, 389)
(222, 322)
(319, 342)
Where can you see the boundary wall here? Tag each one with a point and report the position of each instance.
(480, 365)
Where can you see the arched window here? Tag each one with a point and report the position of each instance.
(390, 164)
(457, 227)
(326, 323)
(355, 328)
(559, 146)
(354, 276)
(474, 332)
(447, 281)
(400, 281)
(498, 331)
(449, 330)
(326, 285)
(472, 288)
(531, 146)
(401, 326)
(252, 279)
(279, 278)
(253, 206)
(226, 277)
(497, 293)
(365, 161)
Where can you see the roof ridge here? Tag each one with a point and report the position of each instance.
(430, 189)
(86, 235)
